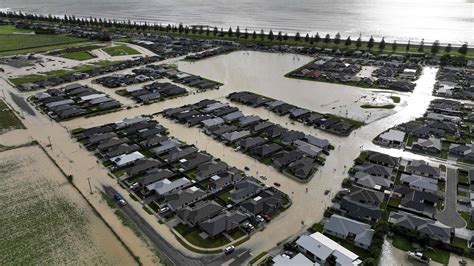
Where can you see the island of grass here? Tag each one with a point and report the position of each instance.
(385, 106)
(19, 41)
(8, 120)
(79, 56)
(395, 99)
(120, 50)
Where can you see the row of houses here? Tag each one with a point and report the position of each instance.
(455, 82)
(73, 100)
(444, 131)
(155, 91)
(178, 180)
(292, 152)
(386, 74)
(93, 72)
(329, 123)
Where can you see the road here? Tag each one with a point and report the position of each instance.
(449, 216)
(238, 257)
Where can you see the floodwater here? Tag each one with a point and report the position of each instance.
(444, 20)
(263, 73)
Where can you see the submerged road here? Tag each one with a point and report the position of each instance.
(450, 216)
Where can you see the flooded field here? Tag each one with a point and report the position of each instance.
(45, 221)
(263, 73)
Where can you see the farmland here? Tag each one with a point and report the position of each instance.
(44, 220)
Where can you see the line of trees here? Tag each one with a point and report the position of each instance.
(230, 33)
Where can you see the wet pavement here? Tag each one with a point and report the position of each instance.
(449, 216)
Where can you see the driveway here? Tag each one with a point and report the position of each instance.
(449, 216)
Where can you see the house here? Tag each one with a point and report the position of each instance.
(322, 250)
(232, 116)
(308, 149)
(130, 121)
(212, 123)
(381, 159)
(126, 159)
(245, 189)
(289, 137)
(374, 169)
(274, 131)
(231, 137)
(360, 211)
(357, 232)
(185, 197)
(431, 145)
(416, 201)
(166, 186)
(392, 137)
(462, 151)
(260, 126)
(224, 222)
(266, 202)
(201, 211)
(420, 183)
(121, 149)
(422, 168)
(223, 180)
(142, 166)
(372, 182)
(366, 196)
(194, 160)
(284, 158)
(299, 113)
(207, 170)
(155, 176)
(249, 143)
(245, 121)
(320, 143)
(178, 153)
(266, 150)
(302, 168)
(423, 226)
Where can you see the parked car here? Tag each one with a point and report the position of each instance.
(266, 217)
(122, 202)
(117, 197)
(134, 185)
(229, 249)
(246, 168)
(259, 219)
(263, 177)
(164, 209)
(277, 184)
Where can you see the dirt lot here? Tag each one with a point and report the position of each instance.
(44, 219)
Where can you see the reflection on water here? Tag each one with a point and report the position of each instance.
(447, 21)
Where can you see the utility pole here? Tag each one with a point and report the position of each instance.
(89, 181)
(50, 145)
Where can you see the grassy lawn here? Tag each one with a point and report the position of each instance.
(8, 119)
(467, 218)
(317, 227)
(394, 202)
(401, 243)
(462, 178)
(10, 29)
(27, 79)
(357, 250)
(236, 234)
(120, 50)
(395, 99)
(193, 237)
(442, 167)
(441, 185)
(225, 196)
(411, 139)
(463, 193)
(438, 255)
(24, 43)
(80, 56)
(256, 258)
(386, 106)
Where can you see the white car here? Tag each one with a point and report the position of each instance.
(134, 186)
(122, 202)
(259, 219)
(229, 249)
(164, 209)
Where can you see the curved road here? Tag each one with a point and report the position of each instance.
(450, 216)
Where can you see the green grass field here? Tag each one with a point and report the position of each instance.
(79, 56)
(13, 43)
(8, 120)
(120, 50)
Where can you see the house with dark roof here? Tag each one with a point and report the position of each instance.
(423, 226)
(223, 180)
(194, 160)
(374, 169)
(360, 211)
(265, 150)
(245, 189)
(382, 159)
(249, 143)
(185, 197)
(366, 196)
(142, 166)
(416, 201)
(155, 176)
(373, 182)
(289, 137)
(424, 169)
(178, 153)
(199, 212)
(224, 222)
(284, 158)
(205, 171)
(266, 202)
(302, 168)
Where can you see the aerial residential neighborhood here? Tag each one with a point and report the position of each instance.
(172, 133)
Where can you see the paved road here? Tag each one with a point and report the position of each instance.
(238, 257)
(449, 216)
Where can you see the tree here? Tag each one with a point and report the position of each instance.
(246, 34)
(229, 32)
(394, 46)
(215, 31)
(237, 32)
(359, 42)
(435, 47)
(317, 38)
(270, 35)
(262, 34)
(463, 49)
(448, 48)
(327, 39)
(208, 31)
(285, 37)
(382, 44)
(407, 47)
(279, 37)
(370, 44)
(297, 37)
(306, 38)
(180, 28)
(254, 35)
(348, 41)
(421, 47)
(337, 38)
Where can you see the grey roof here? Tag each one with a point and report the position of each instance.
(233, 116)
(321, 143)
(360, 211)
(235, 135)
(199, 212)
(423, 168)
(177, 153)
(184, 197)
(226, 221)
(212, 122)
(366, 196)
(245, 189)
(427, 226)
(247, 120)
(420, 183)
(345, 226)
(166, 186)
(308, 149)
(207, 170)
(369, 181)
(374, 169)
(154, 176)
(393, 135)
